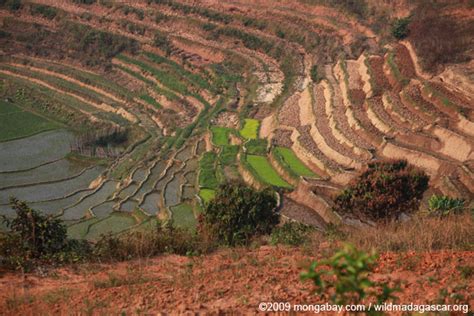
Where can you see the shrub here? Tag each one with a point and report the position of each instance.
(161, 41)
(84, 1)
(400, 28)
(209, 26)
(444, 205)
(35, 237)
(314, 74)
(291, 233)
(164, 239)
(344, 279)
(13, 5)
(383, 192)
(239, 213)
(44, 10)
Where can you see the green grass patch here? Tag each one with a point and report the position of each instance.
(250, 129)
(256, 147)
(228, 154)
(183, 216)
(16, 123)
(287, 158)
(207, 195)
(220, 135)
(265, 172)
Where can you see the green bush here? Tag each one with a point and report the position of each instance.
(209, 26)
(164, 239)
(400, 28)
(291, 233)
(343, 279)
(161, 41)
(445, 205)
(34, 237)
(13, 5)
(44, 10)
(383, 192)
(314, 74)
(239, 213)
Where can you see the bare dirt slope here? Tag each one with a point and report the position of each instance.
(227, 281)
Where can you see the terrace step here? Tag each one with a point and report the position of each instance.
(304, 195)
(323, 134)
(336, 111)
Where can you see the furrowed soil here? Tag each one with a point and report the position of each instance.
(227, 281)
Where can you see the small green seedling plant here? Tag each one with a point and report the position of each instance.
(343, 279)
(444, 205)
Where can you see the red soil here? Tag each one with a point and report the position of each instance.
(227, 281)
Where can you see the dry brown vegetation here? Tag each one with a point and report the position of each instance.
(420, 234)
(443, 38)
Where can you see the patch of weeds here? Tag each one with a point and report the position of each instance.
(15, 301)
(91, 306)
(55, 296)
(466, 272)
(291, 233)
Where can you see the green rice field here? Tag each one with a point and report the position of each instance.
(183, 216)
(264, 171)
(290, 162)
(207, 174)
(17, 123)
(220, 135)
(250, 129)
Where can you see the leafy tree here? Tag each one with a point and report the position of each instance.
(400, 28)
(383, 191)
(343, 278)
(34, 236)
(238, 213)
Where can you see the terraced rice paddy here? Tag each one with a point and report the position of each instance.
(31, 152)
(207, 171)
(115, 223)
(250, 129)
(183, 216)
(220, 135)
(182, 89)
(18, 123)
(264, 171)
(48, 191)
(290, 161)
